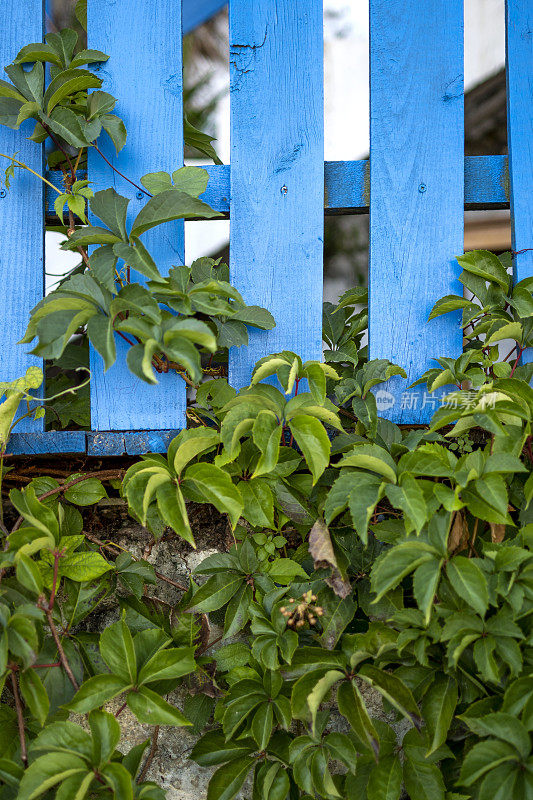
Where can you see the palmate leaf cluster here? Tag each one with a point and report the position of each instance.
(369, 562)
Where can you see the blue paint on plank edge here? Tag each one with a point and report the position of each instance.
(346, 190)
(93, 443)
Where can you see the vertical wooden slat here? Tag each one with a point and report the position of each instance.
(277, 173)
(416, 189)
(21, 210)
(520, 135)
(144, 72)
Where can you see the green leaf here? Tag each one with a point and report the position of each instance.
(151, 709)
(102, 337)
(67, 124)
(28, 574)
(96, 691)
(286, 571)
(486, 265)
(170, 205)
(84, 566)
(483, 757)
(410, 498)
(371, 457)
(313, 441)
(262, 724)
(469, 582)
(172, 506)
(228, 779)
(215, 486)
(67, 83)
(138, 258)
(189, 444)
(118, 651)
(213, 749)
(423, 781)
(116, 130)
(320, 691)
(200, 141)
(47, 771)
(120, 781)
(85, 493)
(216, 592)
(503, 726)
(438, 707)
(394, 690)
(425, 583)
(352, 706)
(449, 303)
(385, 782)
(34, 694)
(111, 208)
(168, 665)
(37, 52)
(105, 731)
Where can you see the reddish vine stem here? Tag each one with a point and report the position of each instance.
(520, 351)
(109, 547)
(140, 188)
(111, 474)
(61, 652)
(150, 757)
(20, 719)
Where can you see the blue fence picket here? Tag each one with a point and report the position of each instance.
(143, 40)
(520, 135)
(21, 210)
(416, 188)
(277, 173)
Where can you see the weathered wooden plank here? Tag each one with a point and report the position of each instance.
(196, 12)
(21, 210)
(520, 135)
(277, 172)
(347, 187)
(45, 443)
(119, 443)
(144, 72)
(417, 188)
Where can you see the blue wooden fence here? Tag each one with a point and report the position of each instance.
(415, 185)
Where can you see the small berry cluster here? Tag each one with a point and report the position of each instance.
(305, 611)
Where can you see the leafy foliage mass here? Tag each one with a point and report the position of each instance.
(379, 577)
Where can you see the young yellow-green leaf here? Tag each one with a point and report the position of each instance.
(28, 574)
(172, 507)
(371, 457)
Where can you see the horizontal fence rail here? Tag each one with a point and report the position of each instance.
(415, 185)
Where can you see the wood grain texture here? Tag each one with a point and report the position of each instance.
(21, 210)
(277, 173)
(126, 443)
(45, 443)
(196, 12)
(417, 188)
(520, 135)
(143, 40)
(347, 185)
